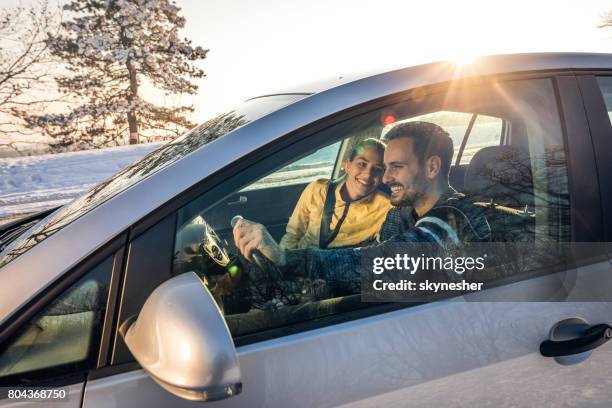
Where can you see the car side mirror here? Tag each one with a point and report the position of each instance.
(180, 338)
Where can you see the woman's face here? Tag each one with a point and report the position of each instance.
(364, 173)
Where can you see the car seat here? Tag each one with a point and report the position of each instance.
(499, 179)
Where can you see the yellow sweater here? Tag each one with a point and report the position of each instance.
(363, 220)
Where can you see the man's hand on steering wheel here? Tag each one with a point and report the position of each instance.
(251, 237)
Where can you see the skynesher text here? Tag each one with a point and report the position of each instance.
(427, 285)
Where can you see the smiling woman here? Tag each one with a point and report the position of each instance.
(345, 212)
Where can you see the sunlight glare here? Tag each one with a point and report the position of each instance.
(463, 58)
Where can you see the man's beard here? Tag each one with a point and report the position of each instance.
(409, 200)
(416, 193)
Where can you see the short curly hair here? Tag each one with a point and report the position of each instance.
(429, 140)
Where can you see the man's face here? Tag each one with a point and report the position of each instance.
(403, 174)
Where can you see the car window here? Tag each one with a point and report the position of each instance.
(605, 84)
(520, 186)
(470, 132)
(316, 165)
(63, 338)
(486, 131)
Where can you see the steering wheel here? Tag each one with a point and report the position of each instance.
(218, 266)
(230, 276)
(212, 246)
(220, 254)
(199, 249)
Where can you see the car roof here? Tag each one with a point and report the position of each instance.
(61, 251)
(493, 63)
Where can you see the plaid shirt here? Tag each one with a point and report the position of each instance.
(451, 221)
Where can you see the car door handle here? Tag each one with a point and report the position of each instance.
(241, 200)
(593, 337)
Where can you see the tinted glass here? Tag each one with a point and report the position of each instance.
(605, 84)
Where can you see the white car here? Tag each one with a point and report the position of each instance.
(73, 286)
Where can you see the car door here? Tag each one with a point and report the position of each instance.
(477, 349)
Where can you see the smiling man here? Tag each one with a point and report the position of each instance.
(426, 210)
(417, 165)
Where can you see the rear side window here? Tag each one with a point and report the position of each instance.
(470, 132)
(316, 165)
(605, 84)
(64, 337)
(486, 131)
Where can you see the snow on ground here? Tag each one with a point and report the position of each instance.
(35, 183)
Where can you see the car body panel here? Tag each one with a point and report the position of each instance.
(476, 354)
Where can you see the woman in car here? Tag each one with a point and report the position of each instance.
(343, 213)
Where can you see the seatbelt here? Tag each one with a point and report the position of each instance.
(326, 236)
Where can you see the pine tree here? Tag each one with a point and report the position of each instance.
(110, 47)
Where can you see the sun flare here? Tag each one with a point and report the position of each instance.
(463, 58)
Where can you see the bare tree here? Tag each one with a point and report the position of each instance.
(606, 20)
(26, 65)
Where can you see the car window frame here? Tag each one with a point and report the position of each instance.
(586, 212)
(214, 185)
(600, 127)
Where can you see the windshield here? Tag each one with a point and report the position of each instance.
(148, 165)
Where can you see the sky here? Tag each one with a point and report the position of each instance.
(261, 46)
(258, 47)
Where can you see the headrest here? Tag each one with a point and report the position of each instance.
(502, 174)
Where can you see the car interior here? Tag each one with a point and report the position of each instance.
(496, 172)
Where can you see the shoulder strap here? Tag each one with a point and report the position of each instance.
(326, 235)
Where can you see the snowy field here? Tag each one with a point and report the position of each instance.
(35, 183)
